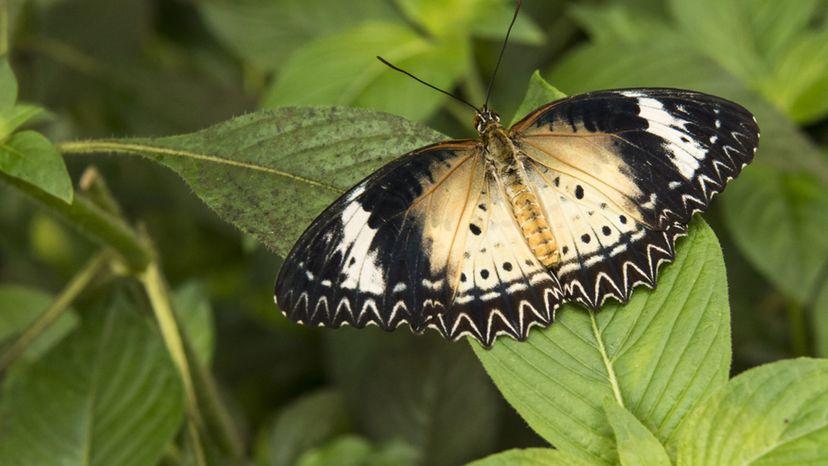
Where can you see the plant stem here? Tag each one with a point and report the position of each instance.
(161, 304)
(613, 380)
(78, 283)
(94, 222)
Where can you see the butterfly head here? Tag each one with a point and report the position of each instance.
(485, 119)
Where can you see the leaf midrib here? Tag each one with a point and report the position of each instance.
(143, 149)
(536, 390)
(613, 380)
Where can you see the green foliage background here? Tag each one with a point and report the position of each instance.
(136, 320)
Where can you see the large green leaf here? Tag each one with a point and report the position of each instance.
(658, 355)
(780, 221)
(531, 457)
(106, 395)
(773, 414)
(270, 173)
(20, 306)
(431, 394)
(30, 157)
(342, 69)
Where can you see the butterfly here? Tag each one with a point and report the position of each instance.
(580, 201)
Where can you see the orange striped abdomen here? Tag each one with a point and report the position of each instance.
(533, 223)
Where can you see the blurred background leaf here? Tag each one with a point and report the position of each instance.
(355, 451)
(304, 424)
(369, 82)
(19, 306)
(423, 391)
(107, 394)
(265, 32)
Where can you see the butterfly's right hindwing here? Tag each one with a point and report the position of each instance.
(371, 257)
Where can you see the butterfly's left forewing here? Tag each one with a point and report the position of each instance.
(382, 253)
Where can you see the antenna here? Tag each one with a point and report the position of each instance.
(427, 84)
(500, 57)
(491, 80)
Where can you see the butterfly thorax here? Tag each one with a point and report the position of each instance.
(505, 162)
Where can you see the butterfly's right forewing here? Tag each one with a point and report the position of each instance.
(620, 174)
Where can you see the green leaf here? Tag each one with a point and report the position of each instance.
(351, 450)
(531, 457)
(538, 93)
(348, 450)
(8, 86)
(270, 173)
(799, 83)
(266, 32)
(192, 308)
(661, 353)
(773, 414)
(305, 423)
(30, 157)
(774, 46)
(17, 117)
(19, 307)
(779, 221)
(614, 22)
(458, 18)
(106, 395)
(342, 69)
(492, 22)
(636, 444)
(420, 389)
